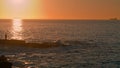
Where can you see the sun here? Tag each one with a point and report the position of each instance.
(22, 9)
(18, 1)
(16, 8)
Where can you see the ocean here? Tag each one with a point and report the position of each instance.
(64, 30)
(93, 43)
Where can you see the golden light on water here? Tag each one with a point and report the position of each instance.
(17, 29)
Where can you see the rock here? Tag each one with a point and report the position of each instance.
(4, 63)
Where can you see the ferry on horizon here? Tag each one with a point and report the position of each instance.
(115, 19)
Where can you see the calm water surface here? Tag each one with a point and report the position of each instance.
(102, 31)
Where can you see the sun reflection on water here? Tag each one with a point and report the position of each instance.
(17, 29)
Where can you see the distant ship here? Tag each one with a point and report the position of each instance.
(114, 19)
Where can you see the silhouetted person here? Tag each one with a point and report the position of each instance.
(5, 36)
(4, 63)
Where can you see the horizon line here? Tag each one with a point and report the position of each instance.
(60, 19)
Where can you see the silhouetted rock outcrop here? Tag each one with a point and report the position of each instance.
(4, 63)
(33, 45)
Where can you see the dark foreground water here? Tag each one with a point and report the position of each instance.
(94, 44)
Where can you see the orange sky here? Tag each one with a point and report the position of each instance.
(59, 9)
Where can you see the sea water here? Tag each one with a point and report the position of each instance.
(103, 50)
(64, 30)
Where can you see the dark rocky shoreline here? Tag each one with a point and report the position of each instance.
(33, 45)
